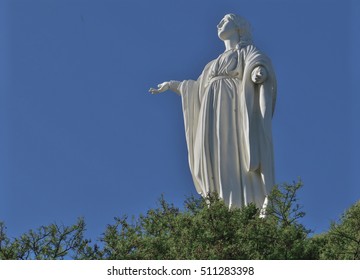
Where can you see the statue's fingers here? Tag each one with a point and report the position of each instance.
(153, 91)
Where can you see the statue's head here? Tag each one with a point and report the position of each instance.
(235, 23)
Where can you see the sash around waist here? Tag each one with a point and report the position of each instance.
(220, 77)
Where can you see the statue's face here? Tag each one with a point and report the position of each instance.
(226, 28)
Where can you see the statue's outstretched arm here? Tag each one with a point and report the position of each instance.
(171, 85)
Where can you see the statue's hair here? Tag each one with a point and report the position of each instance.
(244, 27)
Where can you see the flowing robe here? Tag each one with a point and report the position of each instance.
(227, 121)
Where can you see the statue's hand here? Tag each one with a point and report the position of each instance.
(161, 88)
(259, 75)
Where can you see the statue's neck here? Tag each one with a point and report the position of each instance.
(237, 44)
(232, 41)
(229, 45)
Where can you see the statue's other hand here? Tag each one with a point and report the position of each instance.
(161, 88)
(259, 75)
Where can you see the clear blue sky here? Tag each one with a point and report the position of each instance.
(81, 136)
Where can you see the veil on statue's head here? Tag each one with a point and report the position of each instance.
(243, 28)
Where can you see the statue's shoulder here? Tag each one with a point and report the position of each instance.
(251, 53)
(208, 65)
(250, 49)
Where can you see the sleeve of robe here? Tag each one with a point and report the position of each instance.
(191, 95)
(258, 103)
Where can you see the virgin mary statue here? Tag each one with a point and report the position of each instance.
(227, 116)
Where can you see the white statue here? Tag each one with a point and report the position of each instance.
(227, 115)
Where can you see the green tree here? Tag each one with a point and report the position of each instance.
(207, 229)
(51, 242)
(202, 229)
(290, 238)
(342, 242)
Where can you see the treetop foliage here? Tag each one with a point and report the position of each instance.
(203, 229)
